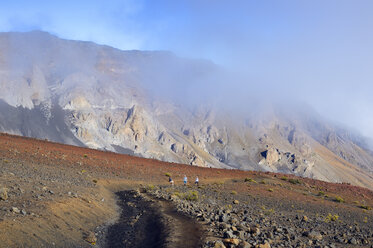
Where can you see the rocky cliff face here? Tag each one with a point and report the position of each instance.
(84, 94)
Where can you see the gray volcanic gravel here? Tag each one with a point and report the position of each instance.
(236, 220)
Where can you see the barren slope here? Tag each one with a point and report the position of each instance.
(66, 192)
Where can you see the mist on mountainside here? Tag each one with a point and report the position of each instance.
(318, 53)
(191, 83)
(158, 105)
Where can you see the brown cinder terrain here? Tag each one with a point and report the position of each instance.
(55, 195)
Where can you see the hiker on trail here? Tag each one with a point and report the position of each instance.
(197, 181)
(171, 181)
(185, 179)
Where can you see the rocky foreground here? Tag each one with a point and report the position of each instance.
(244, 220)
(54, 195)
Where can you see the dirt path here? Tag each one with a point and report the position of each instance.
(151, 223)
(182, 230)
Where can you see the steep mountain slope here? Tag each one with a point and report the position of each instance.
(90, 95)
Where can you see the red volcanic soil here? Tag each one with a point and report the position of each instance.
(57, 194)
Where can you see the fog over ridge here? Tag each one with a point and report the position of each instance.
(317, 52)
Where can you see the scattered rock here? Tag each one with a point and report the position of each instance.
(352, 241)
(265, 245)
(236, 202)
(219, 244)
(255, 230)
(86, 200)
(3, 194)
(15, 210)
(223, 218)
(90, 237)
(228, 235)
(313, 235)
(244, 244)
(231, 241)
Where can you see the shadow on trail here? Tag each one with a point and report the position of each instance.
(151, 224)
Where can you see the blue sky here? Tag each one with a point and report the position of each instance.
(200, 28)
(320, 51)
